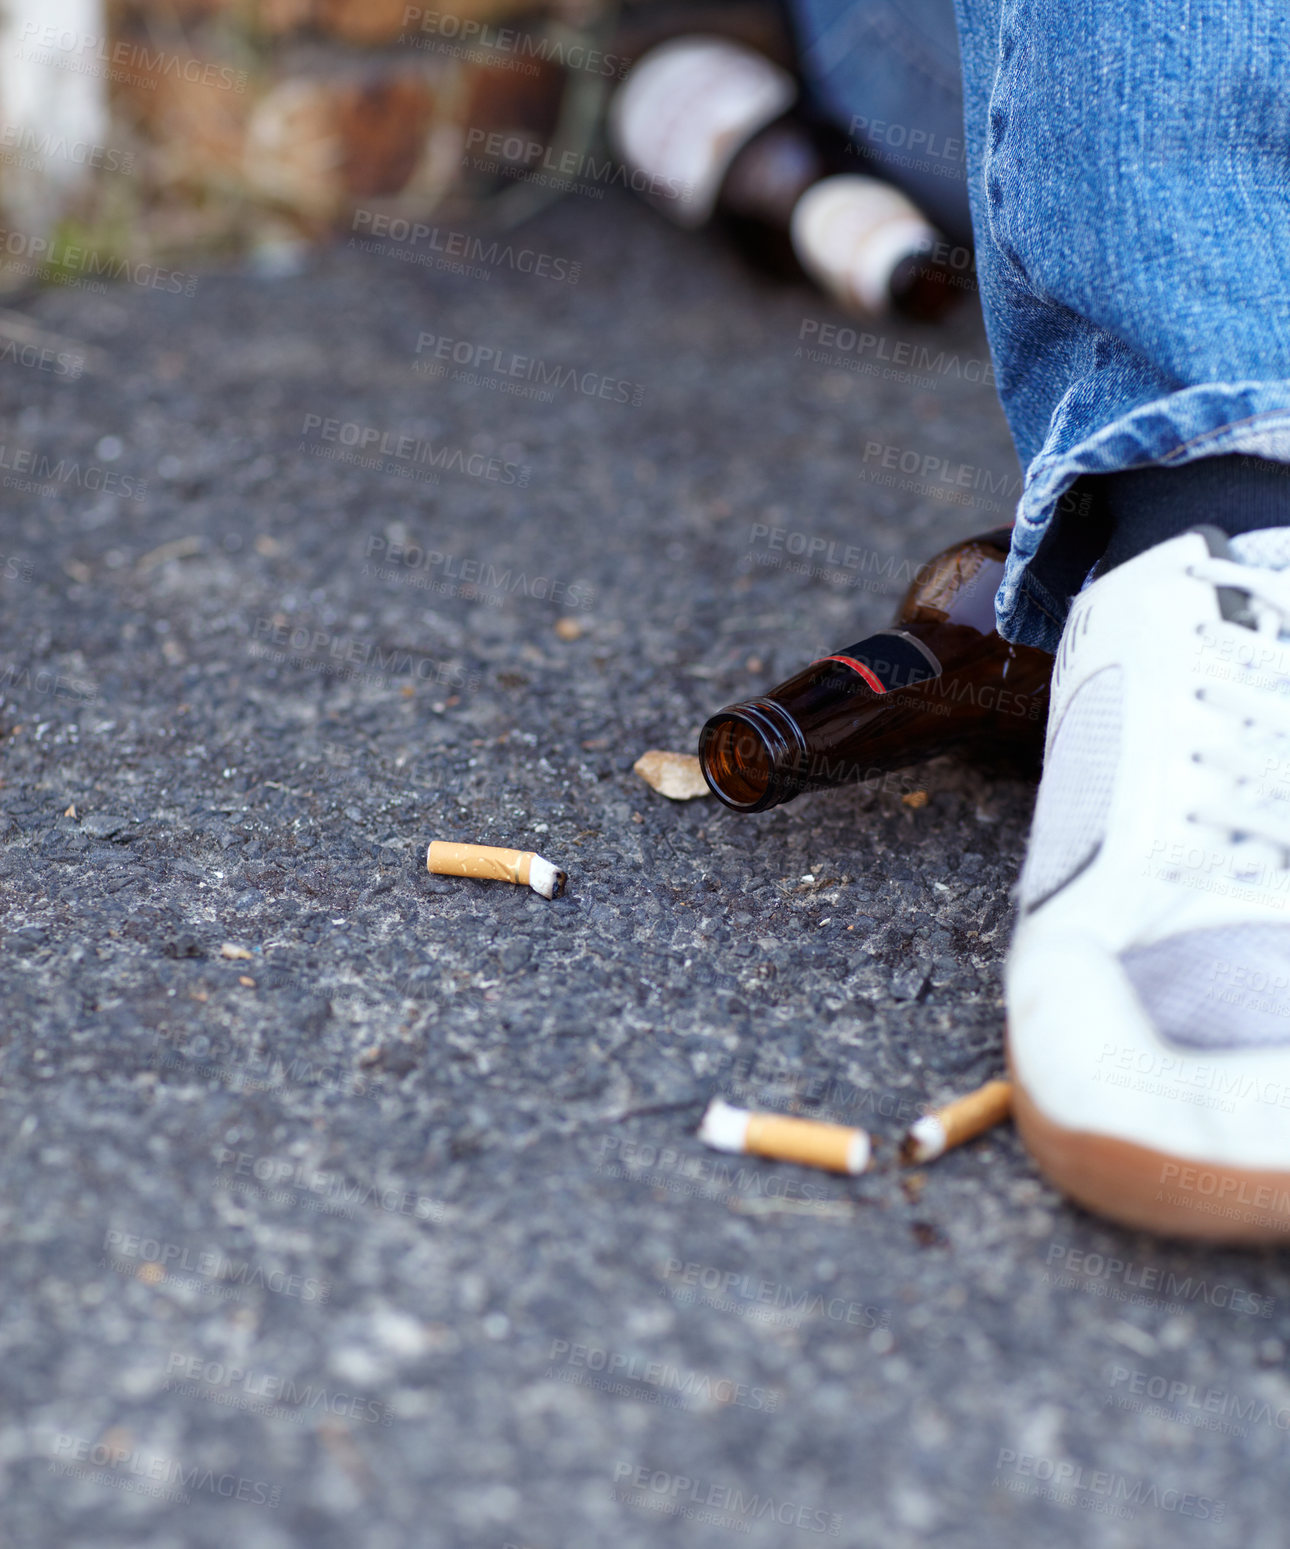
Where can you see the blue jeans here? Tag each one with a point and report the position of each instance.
(1129, 175)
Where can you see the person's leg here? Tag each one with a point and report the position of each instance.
(1127, 174)
(886, 74)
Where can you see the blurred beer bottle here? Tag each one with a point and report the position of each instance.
(712, 131)
(940, 680)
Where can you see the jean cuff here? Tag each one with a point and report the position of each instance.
(1211, 420)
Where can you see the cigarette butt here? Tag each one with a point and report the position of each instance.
(525, 867)
(963, 1119)
(833, 1147)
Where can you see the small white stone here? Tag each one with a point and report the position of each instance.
(354, 1364)
(399, 1332)
(678, 776)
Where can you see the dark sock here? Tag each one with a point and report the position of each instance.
(1107, 518)
(1147, 506)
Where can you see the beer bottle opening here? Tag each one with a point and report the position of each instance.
(751, 754)
(736, 761)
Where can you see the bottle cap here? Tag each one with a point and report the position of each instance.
(849, 233)
(685, 112)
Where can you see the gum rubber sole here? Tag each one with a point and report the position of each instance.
(1149, 1189)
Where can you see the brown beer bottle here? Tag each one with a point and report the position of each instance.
(940, 680)
(714, 133)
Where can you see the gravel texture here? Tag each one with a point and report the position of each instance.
(346, 1205)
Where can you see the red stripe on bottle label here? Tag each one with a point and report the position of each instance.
(888, 660)
(874, 682)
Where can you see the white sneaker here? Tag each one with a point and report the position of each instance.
(1148, 985)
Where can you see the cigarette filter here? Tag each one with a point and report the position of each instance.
(833, 1147)
(963, 1119)
(525, 867)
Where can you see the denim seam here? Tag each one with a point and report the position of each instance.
(1053, 461)
(990, 153)
(1218, 430)
(1038, 596)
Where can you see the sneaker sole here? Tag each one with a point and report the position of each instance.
(1140, 1187)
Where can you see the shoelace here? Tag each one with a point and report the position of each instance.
(1253, 717)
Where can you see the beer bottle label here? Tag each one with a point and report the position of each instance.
(684, 113)
(891, 659)
(849, 233)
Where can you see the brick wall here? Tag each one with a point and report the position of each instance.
(207, 126)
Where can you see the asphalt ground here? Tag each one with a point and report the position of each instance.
(392, 1229)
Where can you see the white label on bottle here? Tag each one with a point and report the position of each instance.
(686, 110)
(849, 233)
